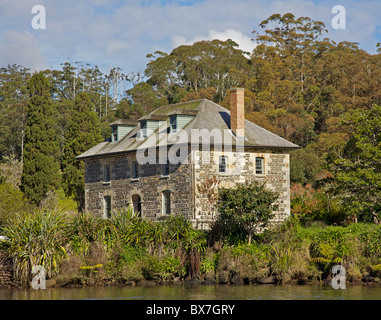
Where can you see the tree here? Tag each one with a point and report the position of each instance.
(13, 101)
(83, 132)
(41, 169)
(202, 65)
(305, 165)
(357, 167)
(248, 207)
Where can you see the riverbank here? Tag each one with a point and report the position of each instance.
(129, 251)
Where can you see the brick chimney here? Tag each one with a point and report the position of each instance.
(237, 112)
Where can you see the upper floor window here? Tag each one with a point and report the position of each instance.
(135, 170)
(107, 173)
(165, 168)
(222, 164)
(259, 169)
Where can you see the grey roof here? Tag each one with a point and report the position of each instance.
(208, 115)
(124, 122)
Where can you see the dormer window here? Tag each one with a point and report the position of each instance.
(114, 134)
(173, 124)
(143, 129)
(178, 119)
(120, 128)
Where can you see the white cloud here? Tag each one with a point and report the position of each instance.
(120, 33)
(245, 43)
(20, 48)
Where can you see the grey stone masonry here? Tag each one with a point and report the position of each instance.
(149, 186)
(185, 182)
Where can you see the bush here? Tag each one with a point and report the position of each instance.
(246, 210)
(35, 239)
(12, 201)
(83, 231)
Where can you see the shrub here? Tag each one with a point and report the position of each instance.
(12, 201)
(245, 209)
(35, 239)
(82, 231)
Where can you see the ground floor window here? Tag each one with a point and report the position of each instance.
(107, 207)
(167, 202)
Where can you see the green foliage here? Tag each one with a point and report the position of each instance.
(246, 208)
(357, 168)
(82, 232)
(12, 202)
(305, 165)
(35, 239)
(41, 169)
(309, 204)
(194, 67)
(83, 132)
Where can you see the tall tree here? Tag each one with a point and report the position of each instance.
(13, 101)
(41, 169)
(357, 167)
(83, 132)
(204, 64)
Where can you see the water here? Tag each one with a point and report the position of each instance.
(217, 292)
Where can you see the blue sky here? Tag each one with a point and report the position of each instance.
(111, 33)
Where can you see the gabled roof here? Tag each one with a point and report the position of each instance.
(124, 122)
(208, 115)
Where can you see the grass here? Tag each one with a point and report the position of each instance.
(66, 204)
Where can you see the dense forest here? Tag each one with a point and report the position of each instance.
(323, 96)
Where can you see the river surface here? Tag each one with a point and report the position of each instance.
(210, 292)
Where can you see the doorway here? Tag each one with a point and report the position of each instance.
(137, 204)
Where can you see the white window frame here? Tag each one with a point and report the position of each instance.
(225, 164)
(260, 170)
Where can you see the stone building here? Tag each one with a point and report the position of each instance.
(173, 160)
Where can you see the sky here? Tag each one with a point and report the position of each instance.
(120, 33)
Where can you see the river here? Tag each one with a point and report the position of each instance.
(210, 292)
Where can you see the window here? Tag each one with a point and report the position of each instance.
(143, 129)
(165, 168)
(107, 173)
(173, 124)
(135, 170)
(107, 207)
(222, 167)
(114, 134)
(137, 204)
(167, 202)
(259, 165)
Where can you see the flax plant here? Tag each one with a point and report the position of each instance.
(35, 239)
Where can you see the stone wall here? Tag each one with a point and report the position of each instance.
(185, 182)
(241, 169)
(149, 186)
(6, 278)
